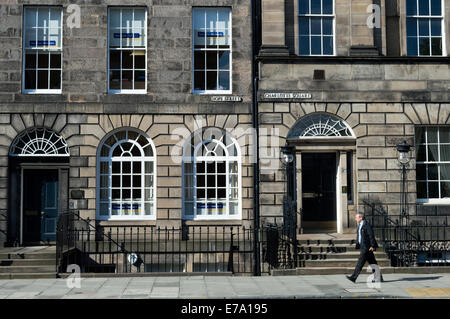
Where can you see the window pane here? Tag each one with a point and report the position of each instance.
(445, 189)
(30, 80)
(421, 189)
(327, 6)
(316, 45)
(444, 134)
(436, 7)
(316, 25)
(114, 80)
(411, 27)
(127, 80)
(433, 190)
(432, 134)
(432, 172)
(43, 60)
(30, 60)
(211, 18)
(304, 45)
(139, 59)
(211, 80)
(304, 26)
(114, 59)
(412, 46)
(211, 60)
(424, 27)
(327, 26)
(411, 7)
(436, 25)
(30, 17)
(224, 60)
(127, 59)
(420, 135)
(327, 45)
(424, 46)
(315, 6)
(424, 8)
(223, 19)
(199, 80)
(55, 79)
(139, 80)
(224, 80)
(55, 60)
(436, 46)
(433, 153)
(421, 153)
(43, 79)
(43, 17)
(199, 60)
(30, 38)
(421, 172)
(304, 6)
(445, 154)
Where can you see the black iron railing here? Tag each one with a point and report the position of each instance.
(140, 248)
(421, 238)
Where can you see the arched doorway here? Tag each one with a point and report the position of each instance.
(39, 171)
(325, 149)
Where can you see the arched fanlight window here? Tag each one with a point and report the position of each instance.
(39, 142)
(126, 176)
(211, 176)
(320, 125)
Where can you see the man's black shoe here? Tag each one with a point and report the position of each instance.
(351, 279)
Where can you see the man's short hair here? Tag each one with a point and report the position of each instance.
(360, 214)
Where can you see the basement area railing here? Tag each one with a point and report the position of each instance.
(421, 238)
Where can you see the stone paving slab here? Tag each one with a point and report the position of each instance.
(202, 287)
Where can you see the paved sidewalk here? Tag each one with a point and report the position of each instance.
(201, 287)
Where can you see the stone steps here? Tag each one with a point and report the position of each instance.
(27, 262)
(344, 255)
(28, 269)
(27, 256)
(39, 275)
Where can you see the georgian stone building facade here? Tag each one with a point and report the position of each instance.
(114, 116)
(344, 95)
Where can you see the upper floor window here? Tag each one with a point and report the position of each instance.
(212, 50)
(126, 176)
(433, 163)
(127, 58)
(42, 50)
(316, 27)
(211, 176)
(425, 27)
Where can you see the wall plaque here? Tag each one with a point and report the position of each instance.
(289, 95)
(226, 98)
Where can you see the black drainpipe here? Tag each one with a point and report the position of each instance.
(255, 9)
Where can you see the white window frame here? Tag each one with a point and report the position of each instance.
(321, 16)
(435, 201)
(142, 160)
(127, 91)
(429, 17)
(37, 50)
(194, 159)
(230, 50)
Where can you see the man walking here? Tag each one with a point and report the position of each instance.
(365, 241)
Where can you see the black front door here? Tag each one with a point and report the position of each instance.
(318, 190)
(40, 205)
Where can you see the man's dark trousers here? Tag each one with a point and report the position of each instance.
(365, 255)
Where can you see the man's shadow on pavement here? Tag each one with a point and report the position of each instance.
(414, 279)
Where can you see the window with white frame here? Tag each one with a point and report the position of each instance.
(211, 176)
(433, 163)
(42, 50)
(126, 176)
(127, 58)
(212, 50)
(425, 27)
(316, 23)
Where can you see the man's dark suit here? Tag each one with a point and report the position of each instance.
(367, 241)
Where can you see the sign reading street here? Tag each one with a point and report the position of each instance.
(292, 95)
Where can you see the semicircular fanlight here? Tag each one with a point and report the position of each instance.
(320, 125)
(39, 142)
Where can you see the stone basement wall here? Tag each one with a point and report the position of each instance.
(379, 127)
(84, 132)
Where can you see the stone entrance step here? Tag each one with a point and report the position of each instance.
(28, 262)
